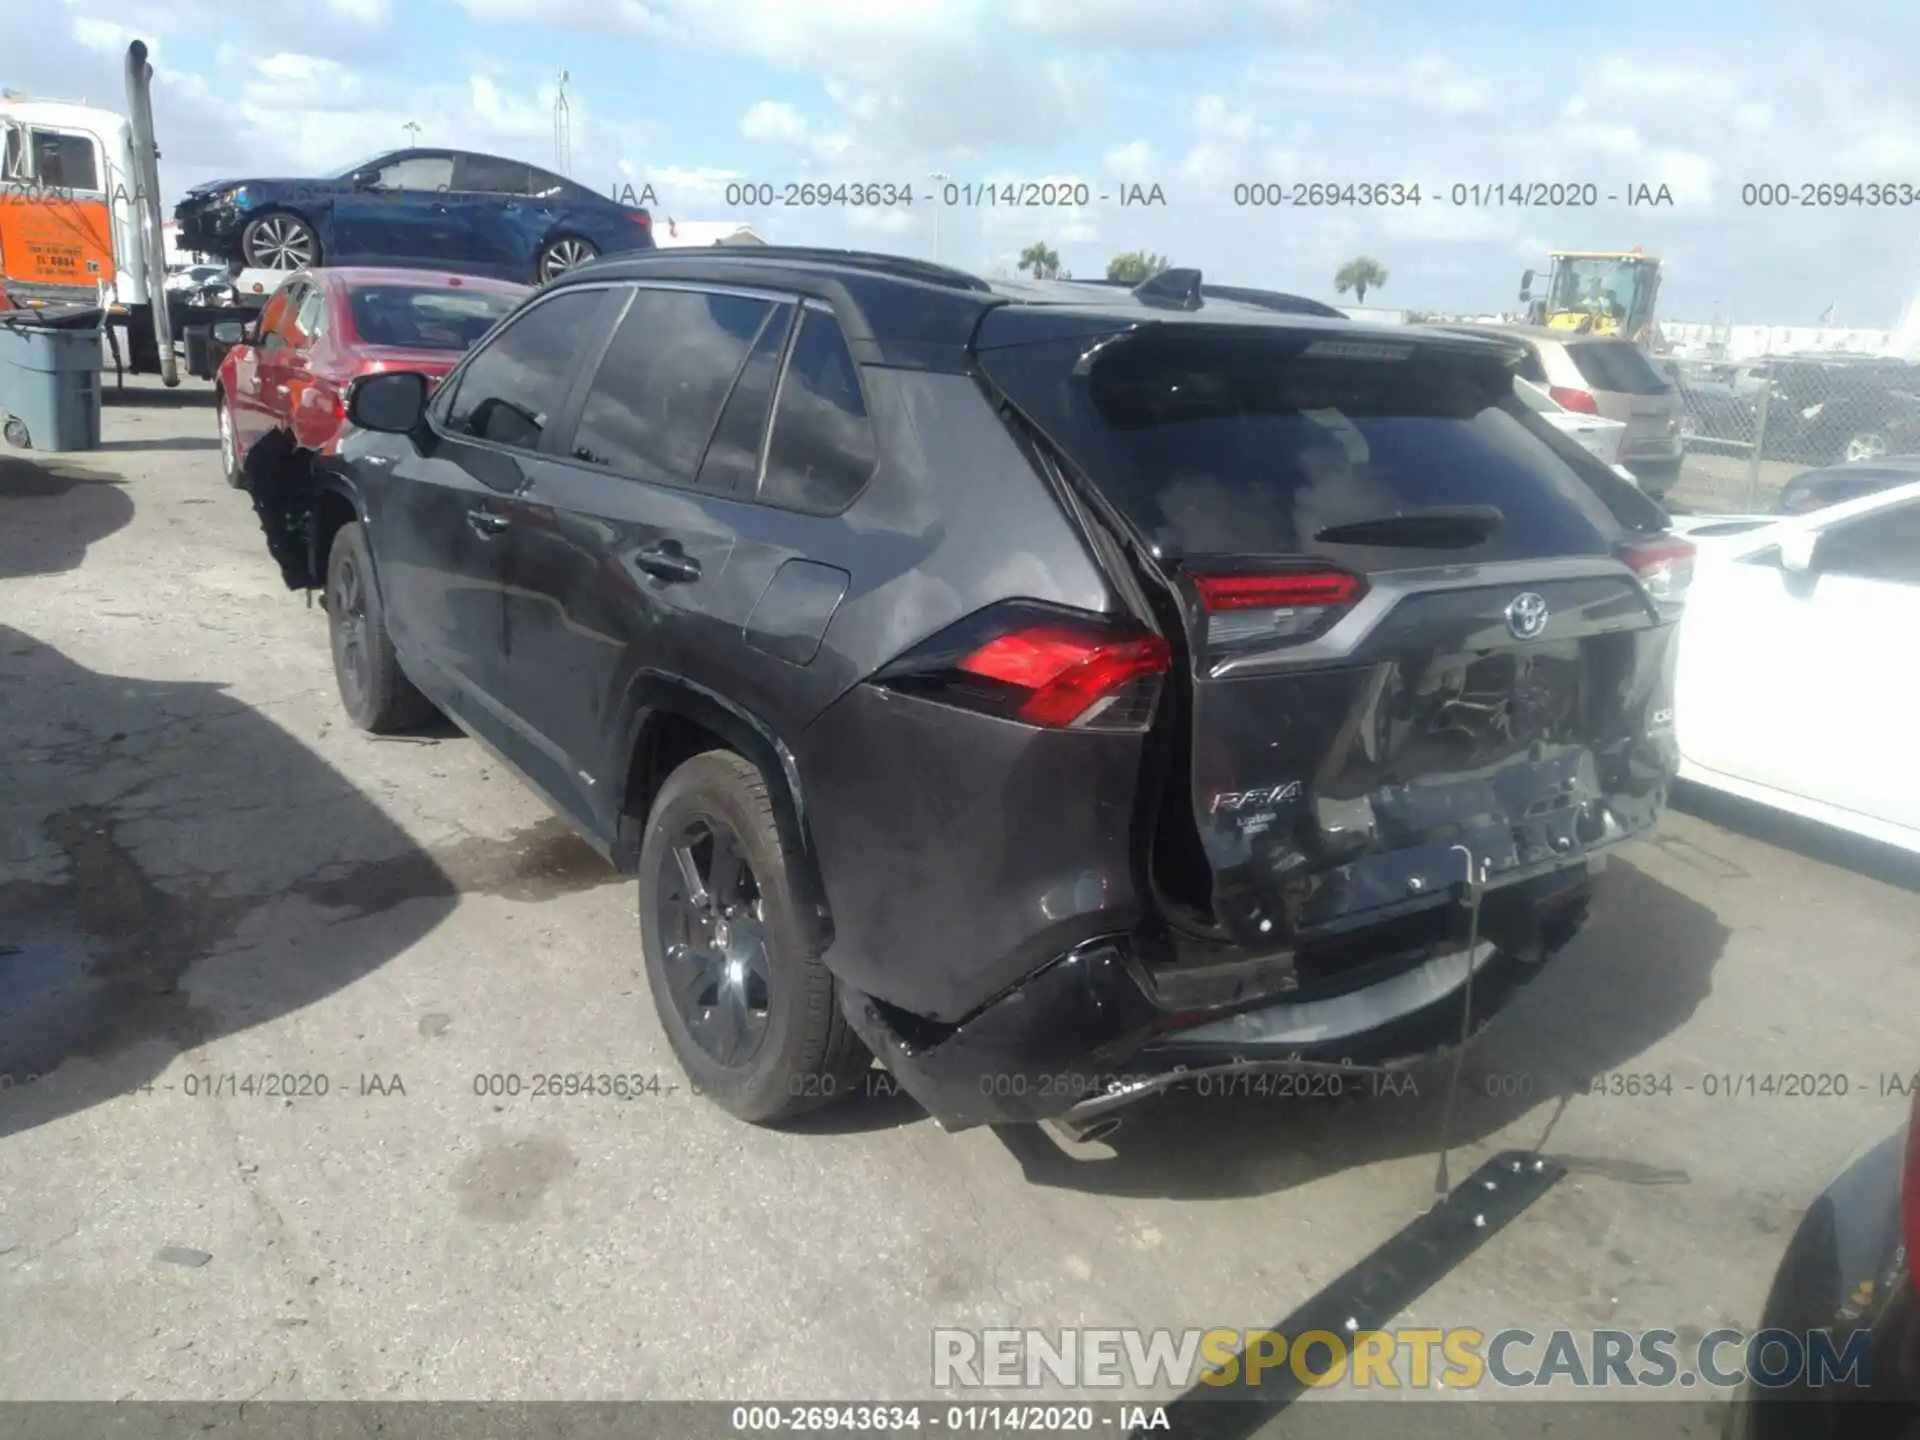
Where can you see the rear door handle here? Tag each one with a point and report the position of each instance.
(667, 561)
(486, 524)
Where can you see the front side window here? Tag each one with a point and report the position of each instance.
(508, 392)
(419, 172)
(1881, 546)
(275, 319)
(309, 321)
(51, 158)
(659, 389)
(822, 451)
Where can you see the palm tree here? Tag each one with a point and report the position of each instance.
(1360, 274)
(1136, 266)
(1041, 260)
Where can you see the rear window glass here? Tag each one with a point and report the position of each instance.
(1226, 447)
(415, 319)
(1618, 366)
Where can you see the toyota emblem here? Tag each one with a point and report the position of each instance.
(1526, 616)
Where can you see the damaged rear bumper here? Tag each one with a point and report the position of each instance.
(1103, 1027)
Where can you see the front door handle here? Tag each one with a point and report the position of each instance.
(486, 524)
(667, 561)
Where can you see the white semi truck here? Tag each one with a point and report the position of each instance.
(80, 225)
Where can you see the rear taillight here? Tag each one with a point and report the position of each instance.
(641, 218)
(1910, 1193)
(1572, 399)
(1665, 568)
(1072, 678)
(1036, 665)
(1248, 609)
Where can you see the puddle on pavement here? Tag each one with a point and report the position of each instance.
(93, 962)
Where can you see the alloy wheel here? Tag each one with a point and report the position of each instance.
(563, 255)
(348, 613)
(714, 941)
(280, 242)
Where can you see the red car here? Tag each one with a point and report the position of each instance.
(322, 329)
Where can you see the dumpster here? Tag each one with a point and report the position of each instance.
(50, 378)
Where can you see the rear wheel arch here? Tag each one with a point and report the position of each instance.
(670, 721)
(334, 506)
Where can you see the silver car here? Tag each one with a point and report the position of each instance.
(1615, 380)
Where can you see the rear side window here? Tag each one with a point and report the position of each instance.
(489, 174)
(733, 455)
(510, 389)
(822, 452)
(1224, 446)
(1619, 366)
(659, 389)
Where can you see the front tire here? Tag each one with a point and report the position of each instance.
(752, 1016)
(374, 691)
(279, 240)
(230, 461)
(562, 254)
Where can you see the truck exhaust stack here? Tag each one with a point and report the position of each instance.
(146, 178)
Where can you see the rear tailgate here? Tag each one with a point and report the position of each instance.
(1628, 388)
(1408, 624)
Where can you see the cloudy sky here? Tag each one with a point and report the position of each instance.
(1196, 97)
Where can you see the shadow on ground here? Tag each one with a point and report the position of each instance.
(175, 867)
(166, 442)
(144, 392)
(51, 510)
(1839, 848)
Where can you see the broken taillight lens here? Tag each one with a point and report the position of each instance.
(1040, 666)
(1244, 609)
(1665, 568)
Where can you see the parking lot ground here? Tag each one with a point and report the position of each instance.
(207, 878)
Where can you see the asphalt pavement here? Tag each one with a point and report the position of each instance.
(274, 996)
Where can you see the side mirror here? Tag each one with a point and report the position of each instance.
(229, 332)
(1800, 551)
(364, 179)
(1526, 286)
(393, 403)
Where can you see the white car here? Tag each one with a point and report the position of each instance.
(1598, 437)
(1792, 690)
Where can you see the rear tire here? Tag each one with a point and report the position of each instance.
(753, 1018)
(561, 254)
(374, 691)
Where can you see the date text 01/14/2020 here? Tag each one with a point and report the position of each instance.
(877, 194)
(1378, 194)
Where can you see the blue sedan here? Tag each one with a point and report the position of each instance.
(435, 209)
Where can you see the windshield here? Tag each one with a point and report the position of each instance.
(411, 318)
(1614, 287)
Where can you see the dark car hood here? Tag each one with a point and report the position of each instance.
(199, 192)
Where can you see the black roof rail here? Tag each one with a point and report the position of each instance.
(1279, 300)
(870, 261)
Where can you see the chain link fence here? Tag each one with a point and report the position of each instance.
(1750, 427)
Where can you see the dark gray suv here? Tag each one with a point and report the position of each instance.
(1057, 690)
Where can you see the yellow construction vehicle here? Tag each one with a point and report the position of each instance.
(1596, 292)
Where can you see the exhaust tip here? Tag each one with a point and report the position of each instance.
(1085, 1132)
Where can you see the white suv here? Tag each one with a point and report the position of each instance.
(1615, 380)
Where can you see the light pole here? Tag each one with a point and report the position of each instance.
(939, 178)
(412, 128)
